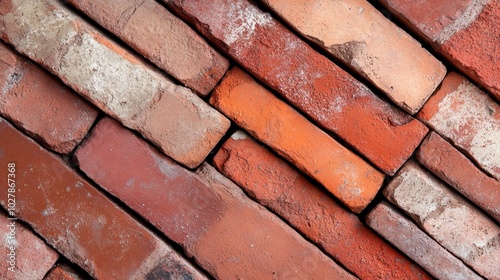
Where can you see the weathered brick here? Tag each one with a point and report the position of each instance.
(24, 255)
(181, 124)
(278, 186)
(63, 272)
(30, 94)
(162, 38)
(417, 245)
(275, 123)
(465, 31)
(454, 168)
(315, 85)
(76, 219)
(468, 117)
(361, 37)
(448, 218)
(198, 216)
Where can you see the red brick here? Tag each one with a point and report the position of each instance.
(30, 94)
(469, 118)
(278, 186)
(370, 44)
(448, 218)
(454, 168)
(32, 257)
(417, 245)
(465, 31)
(63, 272)
(198, 216)
(181, 124)
(162, 38)
(272, 121)
(311, 82)
(76, 219)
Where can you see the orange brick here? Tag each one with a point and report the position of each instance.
(277, 185)
(270, 120)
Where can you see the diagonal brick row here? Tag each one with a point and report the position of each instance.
(172, 117)
(316, 86)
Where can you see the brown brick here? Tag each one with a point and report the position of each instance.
(278, 186)
(227, 234)
(454, 168)
(75, 218)
(448, 218)
(272, 121)
(162, 38)
(311, 82)
(30, 94)
(177, 121)
(24, 255)
(469, 118)
(63, 272)
(417, 245)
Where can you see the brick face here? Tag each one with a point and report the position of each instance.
(181, 124)
(162, 38)
(269, 119)
(308, 80)
(75, 218)
(278, 186)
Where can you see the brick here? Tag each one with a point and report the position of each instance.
(312, 83)
(368, 43)
(448, 218)
(63, 272)
(77, 219)
(32, 257)
(469, 118)
(197, 215)
(114, 80)
(465, 31)
(162, 38)
(272, 121)
(417, 245)
(30, 94)
(446, 162)
(278, 186)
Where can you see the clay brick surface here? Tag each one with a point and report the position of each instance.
(468, 117)
(407, 237)
(32, 258)
(448, 218)
(162, 38)
(316, 86)
(181, 124)
(272, 121)
(78, 220)
(361, 37)
(30, 94)
(465, 31)
(63, 272)
(228, 235)
(454, 168)
(277, 185)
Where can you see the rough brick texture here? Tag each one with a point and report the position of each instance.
(277, 185)
(30, 94)
(461, 112)
(63, 272)
(407, 237)
(454, 168)
(465, 31)
(272, 121)
(227, 234)
(33, 258)
(361, 37)
(448, 218)
(162, 38)
(316, 86)
(78, 220)
(181, 124)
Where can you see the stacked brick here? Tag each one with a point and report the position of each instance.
(106, 127)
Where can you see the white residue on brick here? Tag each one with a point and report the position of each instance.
(466, 117)
(239, 135)
(244, 19)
